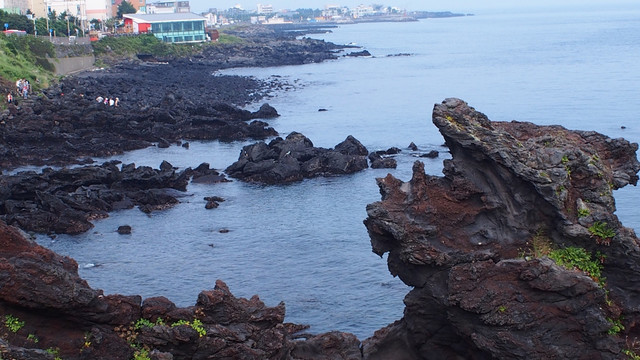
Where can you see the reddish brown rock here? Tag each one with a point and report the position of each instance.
(60, 311)
(465, 243)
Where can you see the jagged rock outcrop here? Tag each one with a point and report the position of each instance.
(474, 245)
(66, 200)
(51, 308)
(295, 158)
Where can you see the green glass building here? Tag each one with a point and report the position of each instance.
(170, 28)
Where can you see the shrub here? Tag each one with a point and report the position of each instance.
(13, 323)
(602, 230)
(578, 258)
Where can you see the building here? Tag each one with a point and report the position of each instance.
(38, 8)
(362, 11)
(265, 9)
(171, 28)
(168, 7)
(14, 6)
(98, 9)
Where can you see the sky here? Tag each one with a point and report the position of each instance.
(465, 6)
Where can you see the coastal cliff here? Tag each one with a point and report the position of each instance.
(477, 245)
(515, 253)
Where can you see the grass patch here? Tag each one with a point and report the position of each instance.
(225, 39)
(142, 44)
(578, 258)
(26, 57)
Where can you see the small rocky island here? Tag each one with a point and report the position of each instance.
(515, 253)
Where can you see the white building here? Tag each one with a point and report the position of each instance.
(168, 7)
(362, 10)
(265, 9)
(334, 11)
(98, 9)
(75, 8)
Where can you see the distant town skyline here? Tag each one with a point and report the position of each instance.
(430, 5)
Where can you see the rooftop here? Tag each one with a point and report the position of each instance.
(151, 18)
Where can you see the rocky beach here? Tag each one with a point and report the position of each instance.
(478, 246)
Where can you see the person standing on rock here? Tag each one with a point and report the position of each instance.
(9, 98)
(111, 102)
(117, 101)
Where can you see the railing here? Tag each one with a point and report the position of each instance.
(71, 40)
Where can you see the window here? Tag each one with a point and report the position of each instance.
(188, 38)
(188, 26)
(166, 27)
(178, 39)
(155, 28)
(197, 25)
(177, 27)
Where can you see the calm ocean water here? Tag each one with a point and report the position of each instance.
(305, 243)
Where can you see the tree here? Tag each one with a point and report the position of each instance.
(125, 7)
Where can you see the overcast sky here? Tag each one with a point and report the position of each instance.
(467, 6)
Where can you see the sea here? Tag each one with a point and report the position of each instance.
(305, 243)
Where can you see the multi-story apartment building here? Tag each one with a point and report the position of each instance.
(265, 9)
(168, 7)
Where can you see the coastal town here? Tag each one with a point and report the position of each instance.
(177, 21)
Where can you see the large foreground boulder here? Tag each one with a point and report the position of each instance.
(477, 245)
(48, 311)
(295, 158)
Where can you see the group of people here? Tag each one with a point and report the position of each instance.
(108, 101)
(23, 88)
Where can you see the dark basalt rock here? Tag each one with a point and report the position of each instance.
(431, 154)
(359, 53)
(43, 290)
(295, 158)
(124, 229)
(67, 123)
(66, 200)
(205, 175)
(464, 243)
(379, 162)
(213, 202)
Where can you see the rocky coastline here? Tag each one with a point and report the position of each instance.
(159, 102)
(477, 245)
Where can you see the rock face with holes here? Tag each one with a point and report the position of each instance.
(473, 244)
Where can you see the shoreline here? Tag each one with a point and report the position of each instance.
(66, 123)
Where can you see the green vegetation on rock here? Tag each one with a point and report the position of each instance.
(26, 57)
(602, 230)
(578, 258)
(13, 323)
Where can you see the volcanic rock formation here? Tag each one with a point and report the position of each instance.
(45, 305)
(66, 200)
(475, 245)
(295, 158)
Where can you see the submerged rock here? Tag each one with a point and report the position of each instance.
(474, 245)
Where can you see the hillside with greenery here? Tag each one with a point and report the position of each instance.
(26, 57)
